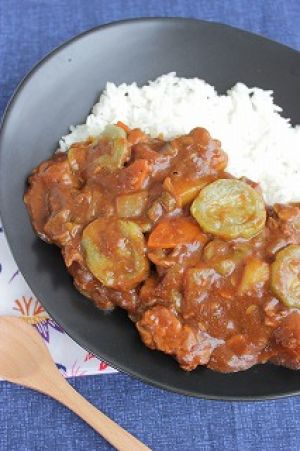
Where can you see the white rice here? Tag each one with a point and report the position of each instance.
(260, 143)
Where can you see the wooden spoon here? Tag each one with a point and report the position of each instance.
(25, 360)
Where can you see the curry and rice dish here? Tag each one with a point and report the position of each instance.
(205, 269)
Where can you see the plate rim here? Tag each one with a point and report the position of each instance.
(4, 120)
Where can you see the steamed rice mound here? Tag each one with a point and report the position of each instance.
(260, 143)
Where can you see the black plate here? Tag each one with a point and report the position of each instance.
(60, 91)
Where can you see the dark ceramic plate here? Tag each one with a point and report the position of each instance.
(60, 91)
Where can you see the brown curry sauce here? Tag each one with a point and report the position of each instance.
(119, 207)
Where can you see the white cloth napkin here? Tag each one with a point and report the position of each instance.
(17, 299)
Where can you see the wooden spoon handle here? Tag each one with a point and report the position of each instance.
(25, 360)
(111, 431)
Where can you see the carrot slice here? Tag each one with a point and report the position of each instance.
(124, 126)
(175, 231)
(136, 136)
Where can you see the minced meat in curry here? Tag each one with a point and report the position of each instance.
(206, 271)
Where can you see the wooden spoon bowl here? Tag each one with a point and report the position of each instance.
(25, 360)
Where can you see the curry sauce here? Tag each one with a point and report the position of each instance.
(208, 273)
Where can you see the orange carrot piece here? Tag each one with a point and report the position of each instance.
(124, 126)
(175, 231)
(136, 136)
